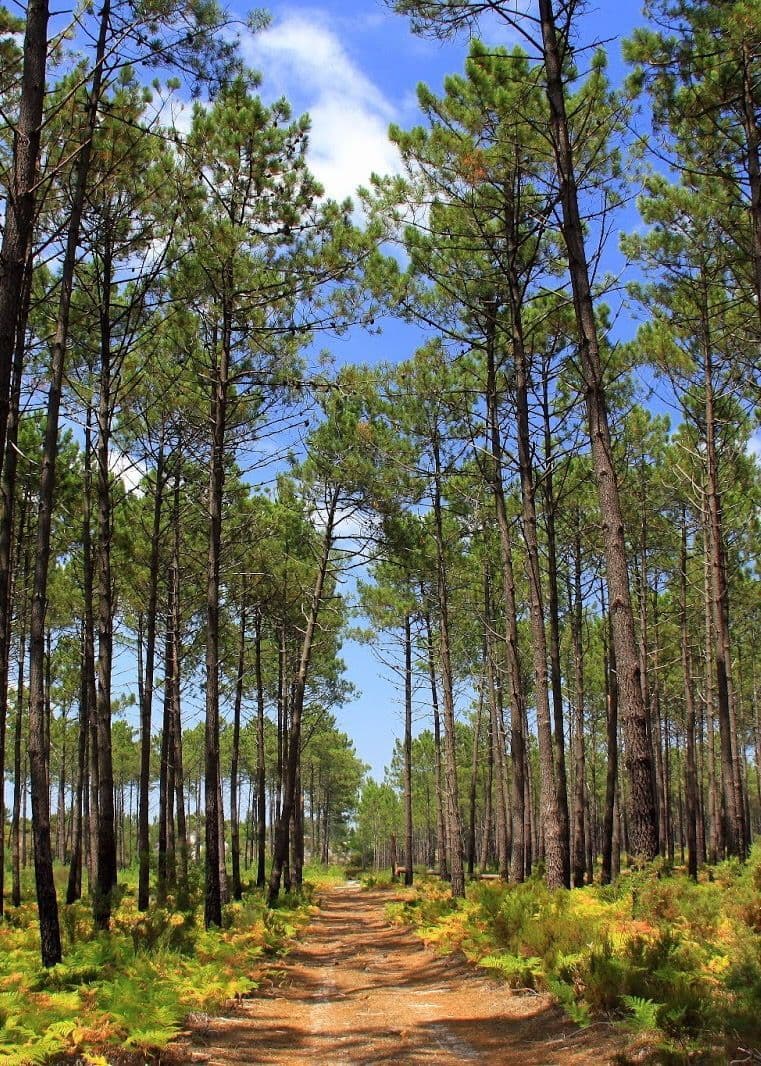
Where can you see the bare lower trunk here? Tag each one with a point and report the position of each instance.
(146, 703)
(280, 856)
(261, 800)
(730, 773)
(237, 890)
(611, 775)
(579, 850)
(454, 821)
(441, 815)
(407, 751)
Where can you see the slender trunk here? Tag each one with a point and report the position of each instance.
(7, 521)
(261, 781)
(280, 856)
(753, 163)
(441, 815)
(165, 797)
(60, 821)
(553, 619)
(639, 760)
(456, 871)
(50, 939)
(21, 198)
(407, 750)
(234, 818)
(554, 820)
(471, 850)
(106, 822)
(579, 851)
(496, 720)
(735, 836)
(146, 702)
(214, 842)
(518, 868)
(183, 889)
(18, 782)
(611, 777)
(74, 886)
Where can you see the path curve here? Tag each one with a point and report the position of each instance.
(358, 989)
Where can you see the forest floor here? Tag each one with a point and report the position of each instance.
(359, 989)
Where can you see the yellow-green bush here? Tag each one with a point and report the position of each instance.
(655, 951)
(134, 985)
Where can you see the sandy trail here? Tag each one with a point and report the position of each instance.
(360, 990)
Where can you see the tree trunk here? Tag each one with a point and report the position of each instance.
(18, 782)
(280, 856)
(234, 818)
(579, 851)
(21, 199)
(517, 702)
(74, 886)
(502, 807)
(456, 871)
(165, 797)
(553, 623)
(407, 750)
(261, 781)
(441, 816)
(730, 777)
(7, 522)
(214, 843)
(554, 827)
(611, 775)
(146, 702)
(183, 888)
(639, 759)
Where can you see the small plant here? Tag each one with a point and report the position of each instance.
(644, 1013)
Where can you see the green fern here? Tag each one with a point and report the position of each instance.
(515, 970)
(644, 1013)
(566, 996)
(152, 1039)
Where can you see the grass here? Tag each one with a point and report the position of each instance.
(134, 986)
(677, 961)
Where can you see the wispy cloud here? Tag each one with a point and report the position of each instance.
(303, 57)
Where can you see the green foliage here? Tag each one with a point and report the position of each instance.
(644, 1013)
(134, 985)
(656, 951)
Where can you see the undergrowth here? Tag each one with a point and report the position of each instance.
(678, 961)
(134, 985)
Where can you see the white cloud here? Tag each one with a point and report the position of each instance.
(304, 59)
(129, 471)
(754, 445)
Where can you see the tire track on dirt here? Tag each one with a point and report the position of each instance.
(359, 990)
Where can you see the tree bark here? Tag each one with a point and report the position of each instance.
(234, 816)
(518, 869)
(146, 702)
(441, 813)
(218, 416)
(454, 821)
(408, 874)
(261, 780)
(22, 196)
(579, 851)
(639, 760)
(735, 830)
(280, 856)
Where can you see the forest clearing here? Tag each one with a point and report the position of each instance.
(380, 490)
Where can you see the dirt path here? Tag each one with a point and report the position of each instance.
(359, 990)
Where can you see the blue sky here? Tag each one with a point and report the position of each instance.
(354, 67)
